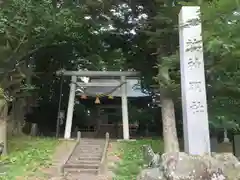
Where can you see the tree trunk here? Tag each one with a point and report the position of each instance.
(20, 115)
(54, 3)
(3, 125)
(34, 129)
(169, 125)
(16, 120)
(3, 136)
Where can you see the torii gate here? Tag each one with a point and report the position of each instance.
(74, 74)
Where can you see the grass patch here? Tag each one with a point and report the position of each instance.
(132, 157)
(26, 156)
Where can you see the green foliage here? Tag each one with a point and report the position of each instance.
(221, 45)
(97, 35)
(49, 38)
(161, 37)
(26, 156)
(131, 156)
(221, 51)
(23, 26)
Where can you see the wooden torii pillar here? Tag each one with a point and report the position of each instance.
(75, 74)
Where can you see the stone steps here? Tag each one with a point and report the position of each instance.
(89, 158)
(91, 142)
(99, 149)
(90, 153)
(86, 157)
(78, 171)
(85, 160)
(82, 166)
(81, 176)
(87, 151)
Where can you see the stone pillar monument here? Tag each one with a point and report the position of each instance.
(194, 103)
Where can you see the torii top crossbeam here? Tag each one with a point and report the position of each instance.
(98, 73)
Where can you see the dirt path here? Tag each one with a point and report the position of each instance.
(52, 172)
(113, 158)
(58, 157)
